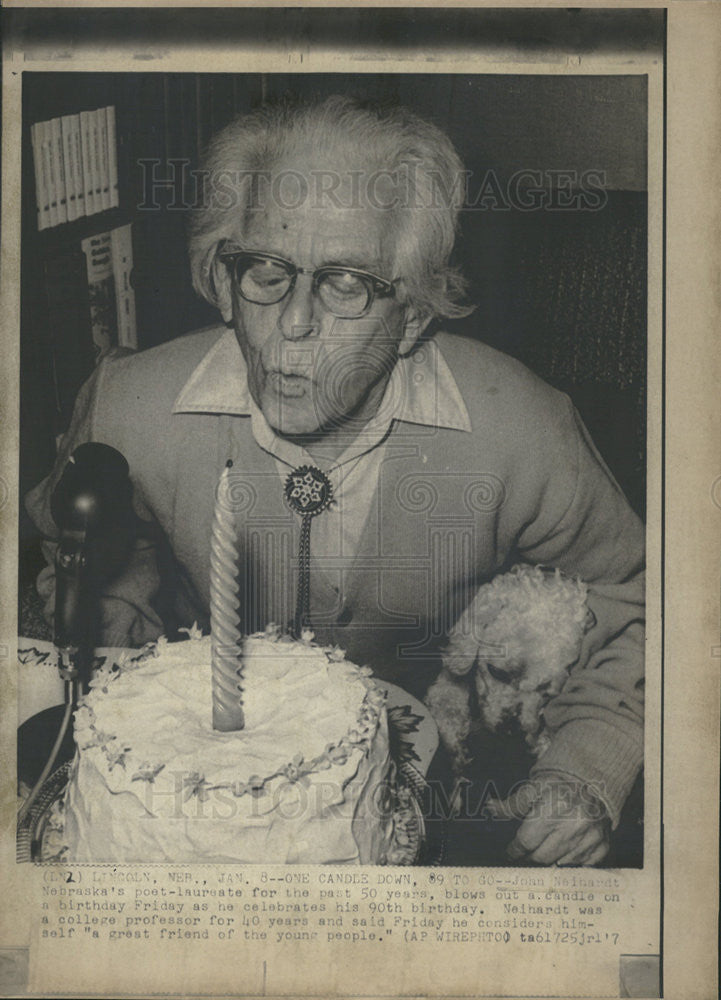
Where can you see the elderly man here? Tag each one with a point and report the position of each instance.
(379, 475)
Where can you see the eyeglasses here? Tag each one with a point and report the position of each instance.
(265, 279)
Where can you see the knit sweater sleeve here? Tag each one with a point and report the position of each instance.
(596, 723)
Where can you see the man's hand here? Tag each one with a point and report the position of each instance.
(563, 821)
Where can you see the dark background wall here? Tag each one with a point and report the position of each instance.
(559, 283)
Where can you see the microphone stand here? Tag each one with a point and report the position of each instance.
(73, 638)
(92, 505)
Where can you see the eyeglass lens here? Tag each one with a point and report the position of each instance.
(342, 292)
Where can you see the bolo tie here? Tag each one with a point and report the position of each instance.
(308, 492)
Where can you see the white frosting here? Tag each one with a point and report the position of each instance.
(303, 782)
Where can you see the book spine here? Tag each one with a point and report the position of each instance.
(77, 155)
(101, 291)
(69, 167)
(85, 142)
(103, 157)
(59, 167)
(95, 167)
(122, 246)
(113, 157)
(41, 180)
(47, 141)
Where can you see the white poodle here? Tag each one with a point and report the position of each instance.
(515, 642)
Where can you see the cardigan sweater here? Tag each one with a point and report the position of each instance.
(451, 509)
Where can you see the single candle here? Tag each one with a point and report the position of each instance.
(226, 649)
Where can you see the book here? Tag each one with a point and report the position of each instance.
(95, 158)
(56, 151)
(103, 158)
(72, 190)
(88, 180)
(122, 252)
(41, 180)
(78, 157)
(71, 123)
(101, 292)
(46, 142)
(112, 157)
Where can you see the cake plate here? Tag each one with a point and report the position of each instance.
(32, 833)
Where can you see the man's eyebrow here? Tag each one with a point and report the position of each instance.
(352, 260)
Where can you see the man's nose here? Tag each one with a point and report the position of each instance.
(298, 318)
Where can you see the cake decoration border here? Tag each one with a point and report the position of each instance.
(358, 737)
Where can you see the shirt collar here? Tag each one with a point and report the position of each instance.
(219, 384)
(421, 390)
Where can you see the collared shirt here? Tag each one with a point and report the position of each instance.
(421, 390)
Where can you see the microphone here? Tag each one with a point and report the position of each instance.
(92, 506)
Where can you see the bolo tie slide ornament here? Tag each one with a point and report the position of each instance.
(308, 492)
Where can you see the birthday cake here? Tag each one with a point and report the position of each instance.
(308, 780)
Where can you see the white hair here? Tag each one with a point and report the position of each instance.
(428, 176)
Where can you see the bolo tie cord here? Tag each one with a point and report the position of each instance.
(302, 608)
(308, 491)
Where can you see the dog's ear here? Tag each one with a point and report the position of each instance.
(590, 621)
(459, 655)
(449, 700)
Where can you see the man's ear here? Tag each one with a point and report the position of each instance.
(222, 286)
(414, 326)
